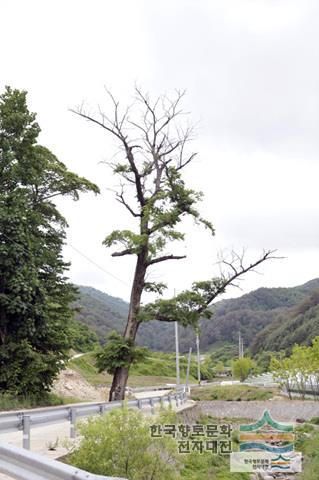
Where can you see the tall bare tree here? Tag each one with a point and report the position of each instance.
(154, 149)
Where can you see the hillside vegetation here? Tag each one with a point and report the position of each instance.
(101, 312)
(269, 319)
(156, 369)
(299, 324)
(231, 393)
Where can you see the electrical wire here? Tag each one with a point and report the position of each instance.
(76, 250)
(97, 265)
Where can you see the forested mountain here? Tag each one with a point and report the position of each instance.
(252, 313)
(300, 324)
(100, 311)
(269, 318)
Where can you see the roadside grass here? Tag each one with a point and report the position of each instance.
(308, 444)
(234, 421)
(164, 365)
(10, 402)
(86, 367)
(214, 467)
(232, 392)
(157, 369)
(209, 467)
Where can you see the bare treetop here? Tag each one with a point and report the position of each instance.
(153, 138)
(149, 135)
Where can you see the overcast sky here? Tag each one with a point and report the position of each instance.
(251, 71)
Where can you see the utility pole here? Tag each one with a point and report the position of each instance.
(188, 366)
(198, 358)
(240, 346)
(177, 356)
(177, 351)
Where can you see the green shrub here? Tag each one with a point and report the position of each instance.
(242, 367)
(119, 444)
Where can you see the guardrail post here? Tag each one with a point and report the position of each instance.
(152, 406)
(139, 404)
(176, 399)
(102, 408)
(26, 431)
(170, 400)
(161, 402)
(72, 420)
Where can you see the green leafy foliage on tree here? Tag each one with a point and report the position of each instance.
(299, 372)
(219, 368)
(118, 351)
(207, 371)
(263, 360)
(242, 367)
(34, 293)
(152, 189)
(83, 339)
(282, 370)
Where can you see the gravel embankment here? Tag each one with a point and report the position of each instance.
(285, 411)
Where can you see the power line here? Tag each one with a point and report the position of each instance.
(97, 265)
(78, 251)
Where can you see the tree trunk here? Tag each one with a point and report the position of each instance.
(120, 377)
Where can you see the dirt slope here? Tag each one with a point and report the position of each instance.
(71, 384)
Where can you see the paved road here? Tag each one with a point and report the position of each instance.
(40, 439)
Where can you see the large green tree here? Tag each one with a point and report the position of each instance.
(154, 149)
(242, 367)
(35, 296)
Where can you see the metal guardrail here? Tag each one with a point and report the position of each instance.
(21, 464)
(27, 419)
